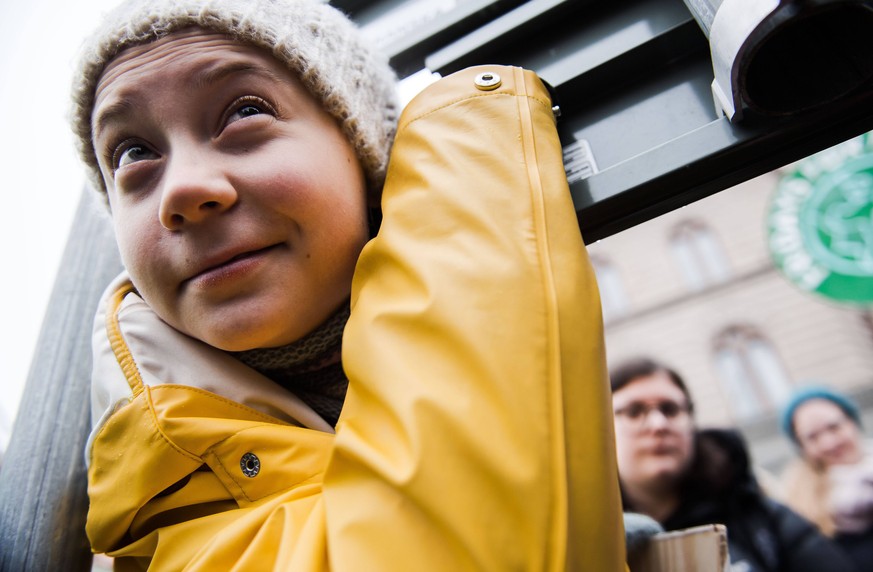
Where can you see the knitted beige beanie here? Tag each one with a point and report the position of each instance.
(315, 41)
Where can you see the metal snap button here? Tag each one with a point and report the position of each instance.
(250, 465)
(487, 81)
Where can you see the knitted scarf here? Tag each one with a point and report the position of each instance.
(310, 368)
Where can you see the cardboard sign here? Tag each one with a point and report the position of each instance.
(698, 549)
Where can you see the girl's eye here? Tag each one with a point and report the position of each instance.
(127, 154)
(246, 107)
(247, 111)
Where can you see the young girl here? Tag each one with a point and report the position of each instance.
(831, 483)
(242, 147)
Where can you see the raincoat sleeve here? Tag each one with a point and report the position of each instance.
(477, 431)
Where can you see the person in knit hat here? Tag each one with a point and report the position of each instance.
(351, 92)
(831, 483)
(318, 358)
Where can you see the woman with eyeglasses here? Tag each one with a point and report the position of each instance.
(683, 477)
(831, 483)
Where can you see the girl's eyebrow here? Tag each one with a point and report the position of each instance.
(111, 113)
(213, 74)
(203, 78)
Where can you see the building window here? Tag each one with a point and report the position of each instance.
(752, 375)
(613, 298)
(700, 256)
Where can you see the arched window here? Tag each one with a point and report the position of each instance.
(700, 256)
(751, 373)
(613, 297)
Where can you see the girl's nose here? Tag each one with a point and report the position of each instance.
(194, 188)
(830, 444)
(655, 419)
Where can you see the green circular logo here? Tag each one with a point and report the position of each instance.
(820, 225)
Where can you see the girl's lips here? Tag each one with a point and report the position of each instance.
(663, 448)
(232, 269)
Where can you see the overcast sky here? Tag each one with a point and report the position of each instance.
(41, 176)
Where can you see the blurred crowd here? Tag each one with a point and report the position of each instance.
(815, 517)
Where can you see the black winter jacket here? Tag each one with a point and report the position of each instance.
(763, 535)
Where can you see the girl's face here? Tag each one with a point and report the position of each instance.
(238, 204)
(826, 435)
(654, 432)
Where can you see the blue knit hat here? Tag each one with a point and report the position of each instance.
(817, 392)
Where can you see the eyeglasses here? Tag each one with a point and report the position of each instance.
(637, 412)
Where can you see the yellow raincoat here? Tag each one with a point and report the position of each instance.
(477, 431)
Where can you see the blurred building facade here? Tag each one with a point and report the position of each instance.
(698, 290)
